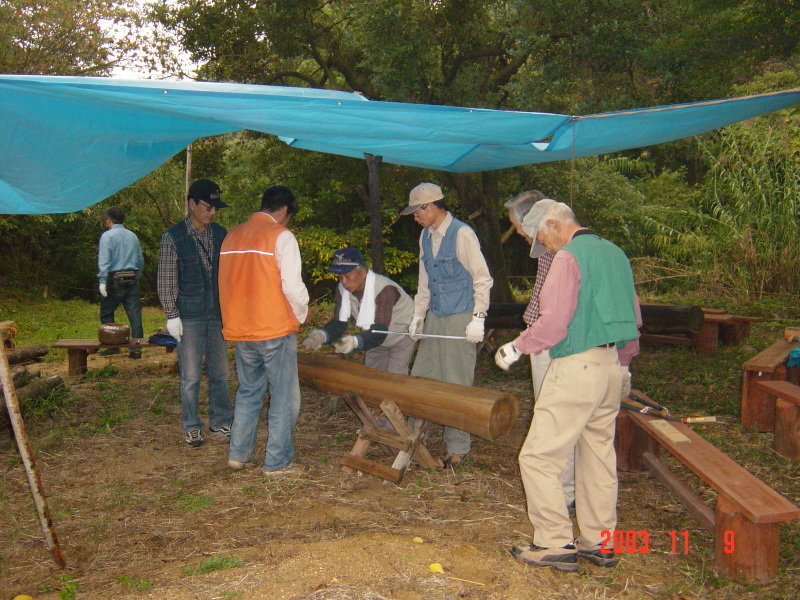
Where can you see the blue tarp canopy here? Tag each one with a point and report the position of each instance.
(69, 142)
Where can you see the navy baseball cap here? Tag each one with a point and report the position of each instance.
(205, 190)
(345, 260)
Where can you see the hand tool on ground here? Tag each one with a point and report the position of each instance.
(644, 405)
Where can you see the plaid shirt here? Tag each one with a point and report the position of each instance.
(168, 265)
(532, 312)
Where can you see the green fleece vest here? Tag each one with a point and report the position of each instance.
(605, 312)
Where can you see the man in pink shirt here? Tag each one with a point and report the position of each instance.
(589, 322)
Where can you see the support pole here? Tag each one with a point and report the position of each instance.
(34, 481)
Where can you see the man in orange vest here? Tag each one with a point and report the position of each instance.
(263, 302)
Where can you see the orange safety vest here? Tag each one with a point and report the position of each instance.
(250, 293)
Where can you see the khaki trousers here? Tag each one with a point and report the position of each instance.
(577, 408)
(539, 365)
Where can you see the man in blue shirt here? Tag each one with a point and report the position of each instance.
(120, 263)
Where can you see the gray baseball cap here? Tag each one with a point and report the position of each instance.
(530, 225)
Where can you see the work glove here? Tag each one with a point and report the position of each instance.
(175, 328)
(475, 330)
(346, 345)
(315, 339)
(626, 382)
(415, 329)
(103, 291)
(507, 355)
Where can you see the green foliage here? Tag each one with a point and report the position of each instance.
(213, 563)
(184, 501)
(134, 583)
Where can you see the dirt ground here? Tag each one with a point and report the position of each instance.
(137, 512)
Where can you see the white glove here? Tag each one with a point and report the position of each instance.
(103, 291)
(415, 329)
(175, 328)
(506, 355)
(346, 345)
(475, 330)
(315, 339)
(626, 382)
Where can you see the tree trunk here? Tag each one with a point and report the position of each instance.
(372, 199)
(479, 203)
(26, 353)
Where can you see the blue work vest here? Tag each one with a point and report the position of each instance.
(198, 294)
(450, 284)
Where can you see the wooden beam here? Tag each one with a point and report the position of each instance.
(480, 411)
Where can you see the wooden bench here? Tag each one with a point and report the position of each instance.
(787, 416)
(78, 351)
(745, 521)
(705, 333)
(758, 406)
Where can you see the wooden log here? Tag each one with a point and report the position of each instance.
(40, 388)
(482, 412)
(26, 353)
(8, 332)
(667, 319)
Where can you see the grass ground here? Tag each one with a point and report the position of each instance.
(141, 516)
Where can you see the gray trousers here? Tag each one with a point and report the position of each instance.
(394, 359)
(448, 360)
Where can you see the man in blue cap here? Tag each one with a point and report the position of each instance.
(377, 304)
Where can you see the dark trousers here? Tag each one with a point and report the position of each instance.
(128, 296)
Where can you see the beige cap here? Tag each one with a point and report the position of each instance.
(530, 225)
(424, 193)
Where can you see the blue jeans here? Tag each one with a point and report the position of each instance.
(130, 300)
(262, 365)
(203, 338)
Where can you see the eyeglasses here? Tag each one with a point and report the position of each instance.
(206, 206)
(421, 207)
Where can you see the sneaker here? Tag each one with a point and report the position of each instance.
(238, 465)
(599, 558)
(454, 460)
(109, 352)
(224, 431)
(135, 354)
(561, 559)
(193, 437)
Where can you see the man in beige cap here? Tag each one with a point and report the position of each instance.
(452, 300)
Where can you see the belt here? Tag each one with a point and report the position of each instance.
(611, 345)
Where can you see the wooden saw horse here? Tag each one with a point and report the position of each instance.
(373, 394)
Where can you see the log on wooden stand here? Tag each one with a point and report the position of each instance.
(480, 411)
(34, 481)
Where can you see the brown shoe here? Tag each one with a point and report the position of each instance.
(454, 460)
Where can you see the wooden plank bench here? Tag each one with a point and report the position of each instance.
(758, 407)
(747, 514)
(78, 351)
(786, 441)
(715, 327)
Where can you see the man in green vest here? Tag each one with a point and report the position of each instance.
(589, 321)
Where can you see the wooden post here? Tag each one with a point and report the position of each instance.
(744, 550)
(787, 429)
(34, 481)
